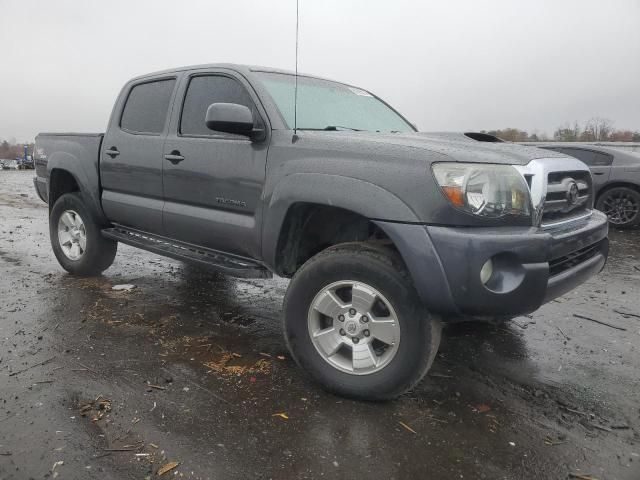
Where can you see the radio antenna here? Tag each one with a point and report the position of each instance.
(295, 93)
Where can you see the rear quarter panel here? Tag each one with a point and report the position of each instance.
(625, 169)
(76, 154)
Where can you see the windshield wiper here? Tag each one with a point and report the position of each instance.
(331, 128)
(334, 128)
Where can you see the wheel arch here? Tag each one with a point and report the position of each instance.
(309, 228)
(67, 174)
(616, 184)
(344, 209)
(61, 181)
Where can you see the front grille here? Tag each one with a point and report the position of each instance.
(568, 196)
(560, 264)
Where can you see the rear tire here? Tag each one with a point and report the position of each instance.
(621, 205)
(76, 238)
(397, 338)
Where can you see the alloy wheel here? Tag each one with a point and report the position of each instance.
(72, 235)
(354, 327)
(621, 207)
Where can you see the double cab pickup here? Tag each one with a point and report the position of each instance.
(385, 232)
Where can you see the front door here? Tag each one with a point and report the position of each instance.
(213, 181)
(132, 160)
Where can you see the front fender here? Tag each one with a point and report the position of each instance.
(355, 195)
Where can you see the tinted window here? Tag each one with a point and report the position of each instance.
(202, 92)
(147, 106)
(602, 159)
(587, 156)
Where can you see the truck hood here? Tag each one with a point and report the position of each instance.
(457, 146)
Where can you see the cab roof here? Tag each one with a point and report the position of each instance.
(246, 69)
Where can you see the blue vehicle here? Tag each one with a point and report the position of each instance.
(25, 162)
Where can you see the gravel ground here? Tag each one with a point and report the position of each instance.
(191, 367)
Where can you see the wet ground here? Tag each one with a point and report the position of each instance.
(190, 367)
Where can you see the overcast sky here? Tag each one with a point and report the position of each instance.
(446, 65)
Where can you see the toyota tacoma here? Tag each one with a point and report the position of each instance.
(384, 231)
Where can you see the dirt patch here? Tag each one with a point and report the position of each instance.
(9, 258)
(95, 409)
(236, 364)
(20, 201)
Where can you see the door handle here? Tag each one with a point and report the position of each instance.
(112, 152)
(598, 173)
(174, 157)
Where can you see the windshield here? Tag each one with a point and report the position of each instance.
(325, 105)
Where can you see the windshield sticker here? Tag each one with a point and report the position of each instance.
(362, 93)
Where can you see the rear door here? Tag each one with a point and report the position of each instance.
(131, 158)
(213, 181)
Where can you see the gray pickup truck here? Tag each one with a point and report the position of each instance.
(384, 231)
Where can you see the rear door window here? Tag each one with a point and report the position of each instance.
(147, 106)
(602, 159)
(587, 156)
(205, 90)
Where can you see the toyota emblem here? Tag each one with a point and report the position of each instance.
(572, 193)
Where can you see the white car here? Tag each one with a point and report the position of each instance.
(10, 165)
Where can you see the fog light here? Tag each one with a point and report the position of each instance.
(486, 271)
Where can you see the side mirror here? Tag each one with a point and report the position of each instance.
(229, 118)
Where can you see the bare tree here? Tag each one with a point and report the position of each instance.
(509, 134)
(567, 132)
(597, 129)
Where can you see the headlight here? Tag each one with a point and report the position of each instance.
(492, 191)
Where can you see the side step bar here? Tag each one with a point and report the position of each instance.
(223, 262)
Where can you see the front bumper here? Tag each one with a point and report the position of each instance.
(531, 265)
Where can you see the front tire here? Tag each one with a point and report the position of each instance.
(76, 239)
(353, 320)
(622, 206)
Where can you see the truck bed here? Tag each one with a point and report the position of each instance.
(61, 149)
